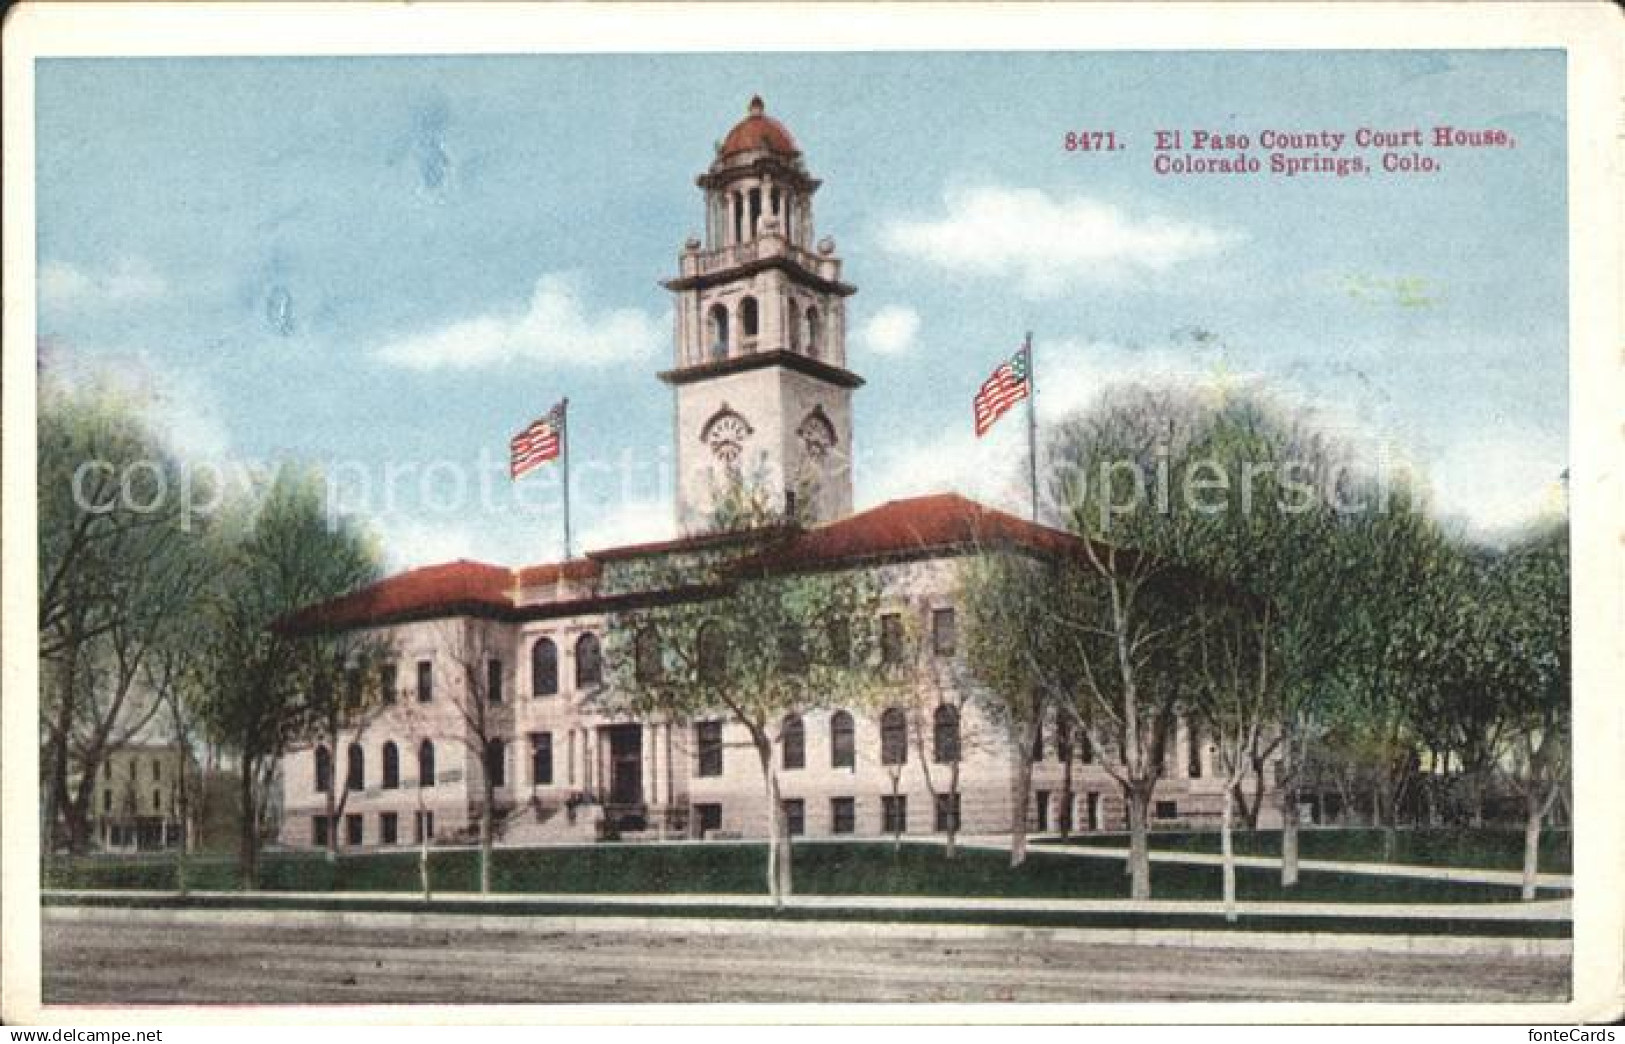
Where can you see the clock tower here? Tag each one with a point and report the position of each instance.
(764, 399)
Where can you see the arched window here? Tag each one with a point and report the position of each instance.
(717, 331)
(1193, 754)
(392, 766)
(792, 323)
(355, 775)
(945, 735)
(750, 318)
(739, 217)
(646, 655)
(589, 662)
(544, 668)
(426, 764)
(324, 770)
(811, 339)
(713, 653)
(496, 763)
(842, 751)
(893, 737)
(793, 735)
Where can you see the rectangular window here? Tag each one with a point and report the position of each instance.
(708, 741)
(107, 801)
(1038, 743)
(388, 828)
(352, 829)
(422, 827)
(944, 632)
(1041, 808)
(541, 759)
(891, 639)
(425, 681)
(795, 816)
(843, 815)
(1167, 810)
(1193, 755)
(947, 811)
(493, 680)
(388, 681)
(708, 818)
(894, 813)
(318, 831)
(157, 771)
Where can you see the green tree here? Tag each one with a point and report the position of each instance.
(281, 553)
(1015, 651)
(119, 534)
(1537, 677)
(751, 645)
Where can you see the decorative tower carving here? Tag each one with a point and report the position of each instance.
(763, 393)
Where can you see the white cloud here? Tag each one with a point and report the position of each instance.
(128, 281)
(181, 407)
(631, 522)
(1499, 480)
(409, 542)
(1045, 243)
(554, 328)
(890, 331)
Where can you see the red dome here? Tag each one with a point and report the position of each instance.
(759, 131)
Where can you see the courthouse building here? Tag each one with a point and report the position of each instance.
(762, 388)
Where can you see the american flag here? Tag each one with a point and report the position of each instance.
(1007, 386)
(537, 444)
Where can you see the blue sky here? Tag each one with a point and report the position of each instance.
(397, 262)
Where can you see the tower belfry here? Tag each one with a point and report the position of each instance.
(763, 393)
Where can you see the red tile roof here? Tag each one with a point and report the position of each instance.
(576, 569)
(945, 523)
(453, 588)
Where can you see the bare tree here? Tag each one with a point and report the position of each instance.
(486, 716)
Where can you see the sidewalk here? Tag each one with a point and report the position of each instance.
(1457, 874)
(1540, 910)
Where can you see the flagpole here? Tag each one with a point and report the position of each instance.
(1032, 421)
(564, 440)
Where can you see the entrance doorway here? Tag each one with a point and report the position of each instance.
(625, 769)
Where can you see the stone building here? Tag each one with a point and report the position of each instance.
(138, 803)
(762, 392)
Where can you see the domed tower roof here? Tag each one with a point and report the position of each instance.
(758, 131)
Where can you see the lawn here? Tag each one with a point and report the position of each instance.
(1487, 849)
(820, 869)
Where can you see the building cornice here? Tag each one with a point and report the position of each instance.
(761, 360)
(733, 273)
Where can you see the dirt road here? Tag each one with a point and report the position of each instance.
(107, 959)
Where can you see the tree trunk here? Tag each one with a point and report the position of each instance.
(332, 811)
(1068, 800)
(1020, 786)
(950, 843)
(1289, 836)
(486, 816)
(248, 850)
(1227, 852)
(778, 829)
(1138, 799)
(1531, 842)
(181, 814)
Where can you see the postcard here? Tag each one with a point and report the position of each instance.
(957, 513)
